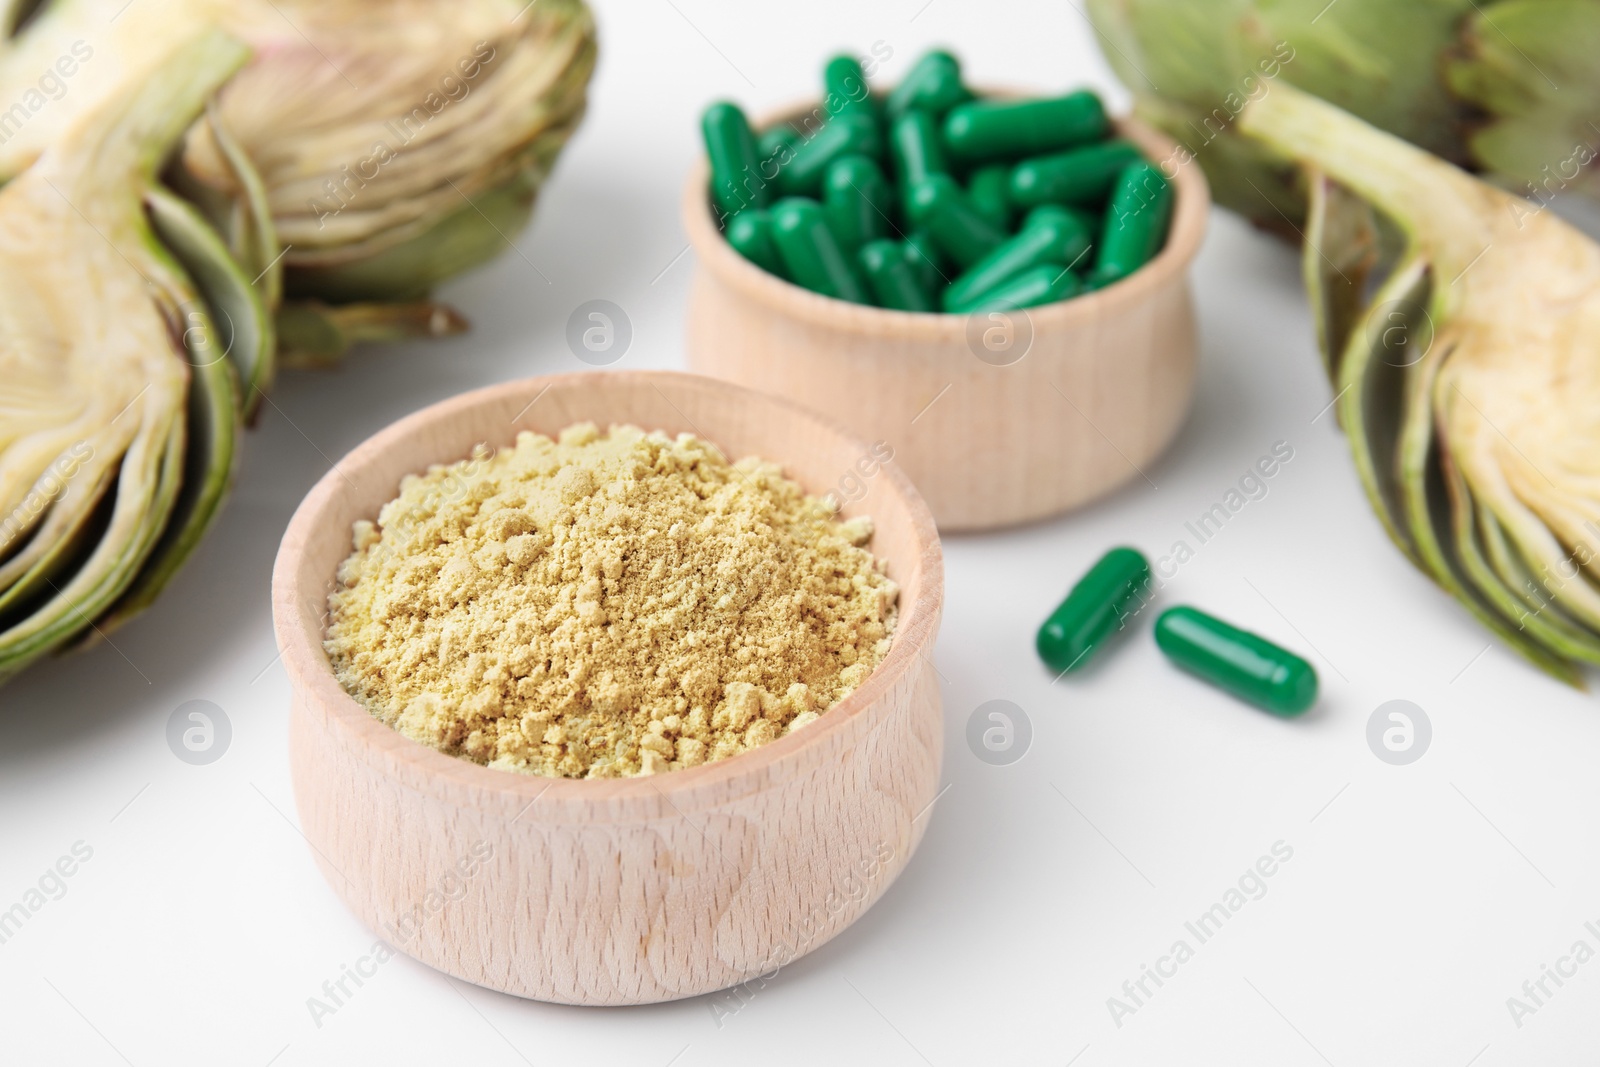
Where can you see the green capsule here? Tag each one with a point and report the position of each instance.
(845, 87)
(983, 131)
(893, 278)
(774, 149)
(928, 259)
(1083, 176)
(1104, 599)
(811, 254)
(736, 181)
(1135, 225)
(939, 206)
(844, 135)
(1049, 235)
(857, 199)
(989, 189)
(750, 234)
(776, 143)
(1250, 667)
(914, 147)
(1047, 283)
(933, 84)
(1089, 220)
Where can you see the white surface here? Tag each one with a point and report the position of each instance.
(1417, 900)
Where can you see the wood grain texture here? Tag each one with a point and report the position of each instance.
(1099, 394)
(614, 891)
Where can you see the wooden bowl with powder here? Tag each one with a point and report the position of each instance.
(997, 419)
(624, 890)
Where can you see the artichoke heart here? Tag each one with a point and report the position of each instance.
(1468, 379)
(111, 362)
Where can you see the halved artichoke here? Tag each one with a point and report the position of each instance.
(1467, 379)
(120, 411)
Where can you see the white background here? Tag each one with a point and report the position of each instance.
(1417, 900)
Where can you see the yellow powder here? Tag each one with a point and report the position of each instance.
(606, 605)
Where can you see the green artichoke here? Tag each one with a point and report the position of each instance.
(1458, 325)
(1472, 82)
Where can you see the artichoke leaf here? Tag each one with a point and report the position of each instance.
(1339, 254)
(1547, 630)
(1515, 573)
(233, 306)
(56, 547)
(242, 215)
(1371, 385)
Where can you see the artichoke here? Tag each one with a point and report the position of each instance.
(121, 409)
(196, 190)
(1459, 325)
(379, 145)
(1472, 82)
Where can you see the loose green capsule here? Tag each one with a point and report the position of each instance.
(928, 259)
(1083, 176)
(914, 147)
(1101, 602)
(1050, 235)
(933, 84)
(1250, 667)
(857, 199)
(893, 278)
(989, 188)
(998, 130)
(845, 87)
(1135, 225)
(844, 135)
(939, 206)
(811, 254)
(750, 234)
(736, 181)
(1047, 283)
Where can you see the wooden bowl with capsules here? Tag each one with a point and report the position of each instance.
(625, 890)
(999, 418)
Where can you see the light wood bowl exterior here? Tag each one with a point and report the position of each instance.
(1099, 394)
(613, 891)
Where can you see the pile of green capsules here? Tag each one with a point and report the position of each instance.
(930, 199)
(1117, 587)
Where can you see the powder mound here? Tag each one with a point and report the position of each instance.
(606, 605)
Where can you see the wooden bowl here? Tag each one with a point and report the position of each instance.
(992, 427)
(620, 891)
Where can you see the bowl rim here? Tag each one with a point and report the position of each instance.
(588, 800)
(1187, 230)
